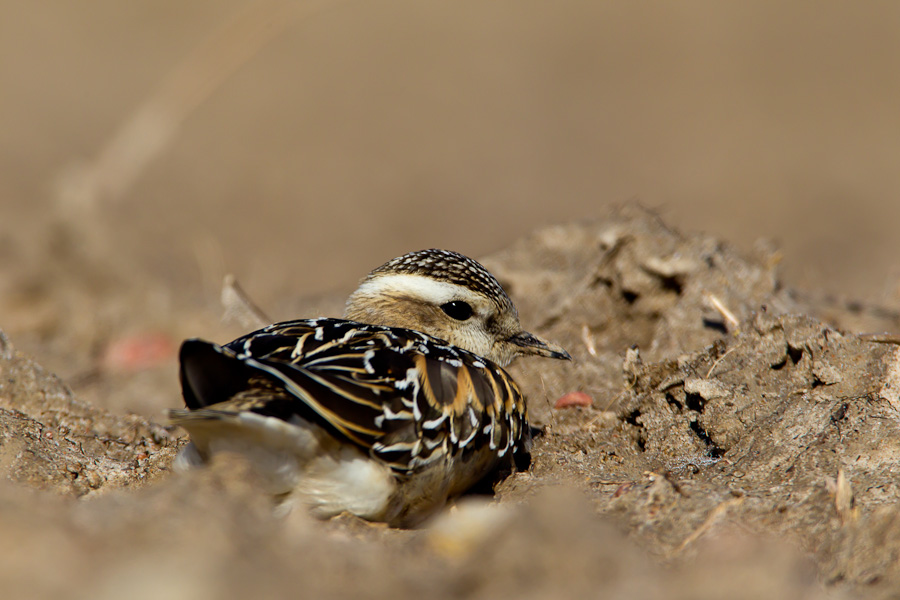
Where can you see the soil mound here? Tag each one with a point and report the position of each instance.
(741, 443)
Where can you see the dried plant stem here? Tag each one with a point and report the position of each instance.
(239, 307)
(151, 127)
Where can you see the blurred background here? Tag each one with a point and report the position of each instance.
(148, 148)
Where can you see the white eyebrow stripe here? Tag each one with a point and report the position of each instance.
(419, 286)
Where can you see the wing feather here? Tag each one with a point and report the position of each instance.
(405, 397)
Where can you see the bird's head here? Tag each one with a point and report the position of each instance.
(449, 296)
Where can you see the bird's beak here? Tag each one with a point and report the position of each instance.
(528, 343)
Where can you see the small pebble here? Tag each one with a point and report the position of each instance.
(138, 352)
(573, 399)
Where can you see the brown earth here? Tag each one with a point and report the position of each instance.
(743, 451)
(745, 448)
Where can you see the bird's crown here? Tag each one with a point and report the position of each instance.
(450, 267)
(451, 297)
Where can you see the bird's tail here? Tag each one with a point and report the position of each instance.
(210, 373)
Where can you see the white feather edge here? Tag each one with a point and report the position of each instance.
(419, 286)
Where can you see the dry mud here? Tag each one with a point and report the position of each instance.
(742, 443)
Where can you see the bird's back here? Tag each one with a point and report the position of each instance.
(428, 414)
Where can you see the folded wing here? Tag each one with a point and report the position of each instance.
(404, 397)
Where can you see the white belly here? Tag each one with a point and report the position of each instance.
(300, 463)
(296, 462)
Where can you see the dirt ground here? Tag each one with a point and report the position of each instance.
(742, 436)
(738, 445)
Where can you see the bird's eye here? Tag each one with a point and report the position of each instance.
(457, 309)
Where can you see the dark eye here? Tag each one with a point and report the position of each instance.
(458, 310)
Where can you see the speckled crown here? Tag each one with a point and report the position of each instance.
(452, 267)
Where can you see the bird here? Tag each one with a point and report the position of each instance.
(387, 413)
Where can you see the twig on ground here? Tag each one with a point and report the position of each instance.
(718, 360)
(238, 306)
(588, 340)
(152, 126)
(711, 520)
(843, 498)
(730, 319)
(880, 338)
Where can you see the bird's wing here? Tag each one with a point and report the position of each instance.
(405, 397)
